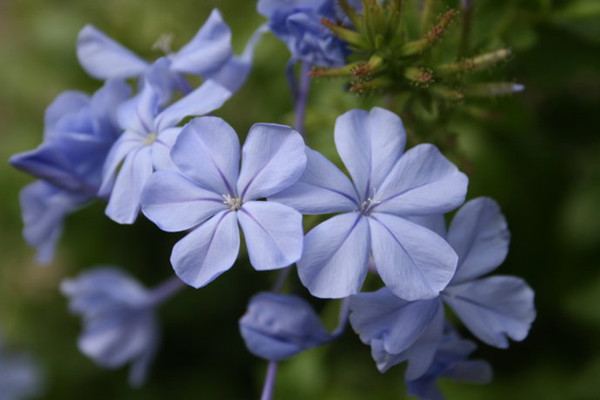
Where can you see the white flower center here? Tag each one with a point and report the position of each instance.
(234, 203)
(367, 205)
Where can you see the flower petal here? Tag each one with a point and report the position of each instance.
(369, 143)
(422, 182)
(322, 188)
(208, 151)
(479, 235)
(103, 58)
(335, 257)
(273, 158)
(65, 104)
(127, 143)
(208, 251)
(234, 72)
(208, 50)
(161, 150)
(175, 203)
(208, 97)
(384, 316)
(494, 308)
(124, 204)
(412, 261)
(273, 234)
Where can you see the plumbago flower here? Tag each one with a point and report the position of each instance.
(450, 361)
(389, 186)
(120, 324)
(298, 24)
(208, 54)
(20, 376)
(79, 132)
(150, 130)
(493, 308)
(276, 326)
(211, 193)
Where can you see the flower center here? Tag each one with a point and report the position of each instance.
(367, 206)
(150, 138)
(234, 203)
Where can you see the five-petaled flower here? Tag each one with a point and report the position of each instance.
(211, 193)
(389, 186)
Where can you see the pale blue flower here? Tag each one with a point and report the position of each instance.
(450, 361)
(277, 326)
(210, 194)
(388, 187)
(298, 24)
(78, 134)
(150, 131)
(208, 54)
(493, 309)
(20, 376)
(119, 322)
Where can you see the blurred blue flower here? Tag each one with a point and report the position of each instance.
(211, 193)
(20, 376)
(119, 319)
(208, 54)
(298, 24)
(150, 131)
(389, 186)
(278, 326)
(79, 132)
(493, 308)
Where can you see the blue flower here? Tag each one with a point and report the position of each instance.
(79, 132)
(450, 361)
(278, 326)
(298, 24)
(211, 194)
(493, 308)
(149, 134)
(389, 186)
(20, 376)
(120, 325)
(208, 54)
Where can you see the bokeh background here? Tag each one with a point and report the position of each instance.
(537, 154)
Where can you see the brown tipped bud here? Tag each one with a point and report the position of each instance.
(417, 46)
(475, 63)
(420, 77)
(375, 84)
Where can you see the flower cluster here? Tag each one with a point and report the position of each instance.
(139, 150)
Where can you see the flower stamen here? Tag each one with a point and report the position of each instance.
(234, 203)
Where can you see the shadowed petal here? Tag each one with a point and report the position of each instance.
(103, 58)
(494, 308)
(175, 203)
(124, 204)
(412, 261)
(335, 257)
(384, 316)
(161, 150)
(203, 100)
(269, 7)
(64, 105)
(273, 158)
(422, 182)
(369, 143)
(434, 222)
(127, 143)
(208, 50)
(208, 251)
(273, 234)
(208, 151)
(479, 235)
(321, 189)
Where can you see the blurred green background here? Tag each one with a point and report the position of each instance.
(538, 156)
